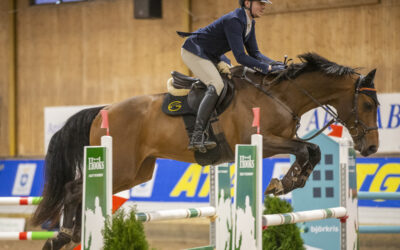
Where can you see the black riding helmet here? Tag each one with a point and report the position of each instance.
(241, 3)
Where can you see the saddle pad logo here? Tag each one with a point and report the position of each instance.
(175, 106)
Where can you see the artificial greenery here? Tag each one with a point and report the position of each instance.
(281, 237)
(124, 233)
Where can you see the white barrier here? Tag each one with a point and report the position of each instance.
(296, 217)
(19, 201)
(176, 214)
(27, 235)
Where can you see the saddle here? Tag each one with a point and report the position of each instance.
(183, 99)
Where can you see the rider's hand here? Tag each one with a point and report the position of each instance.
(276, 67)
(224, 68)
(279, 63)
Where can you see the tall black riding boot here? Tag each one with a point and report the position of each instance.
(207, 105)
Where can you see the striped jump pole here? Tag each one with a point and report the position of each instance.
(4, 201)
(378, 195)
(27, 235)
(176, 214)
(296, 217)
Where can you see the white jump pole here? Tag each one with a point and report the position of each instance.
(176, 214)
(296, 217)
(20, 201)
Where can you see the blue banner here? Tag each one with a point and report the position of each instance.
(21, 177)
(185, 182)
(378, 175)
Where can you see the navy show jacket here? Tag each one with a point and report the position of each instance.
(225, 34)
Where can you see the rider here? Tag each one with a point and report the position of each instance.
(203, 52)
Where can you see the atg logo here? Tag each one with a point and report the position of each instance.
(246, 162)
(95, 163)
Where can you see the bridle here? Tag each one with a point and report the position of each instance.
(354, 112)
(359, 133)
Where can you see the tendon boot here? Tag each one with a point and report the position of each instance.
(199, 141)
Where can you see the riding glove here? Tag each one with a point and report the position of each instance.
(277, 67)
(224, 68)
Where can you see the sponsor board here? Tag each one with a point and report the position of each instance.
(55, 118)
(24, 179)
(378, 175)
(21, 177)
(175, 181)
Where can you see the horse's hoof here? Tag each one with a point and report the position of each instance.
(275, 187)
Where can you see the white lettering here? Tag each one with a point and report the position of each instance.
(325, 229)
(95, 175)
(95, 163)
(246, 174)
(246, 162)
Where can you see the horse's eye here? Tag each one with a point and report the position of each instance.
(368, 106)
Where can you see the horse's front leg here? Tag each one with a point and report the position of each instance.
(307, 156)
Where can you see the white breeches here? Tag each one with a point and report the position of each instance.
(203, 69)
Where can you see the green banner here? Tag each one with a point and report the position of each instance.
(245, 195)
(95, 199)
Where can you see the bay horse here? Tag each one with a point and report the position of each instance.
(142, 132)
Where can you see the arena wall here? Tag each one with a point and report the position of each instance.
(95, 52)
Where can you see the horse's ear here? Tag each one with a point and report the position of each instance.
(371, 75)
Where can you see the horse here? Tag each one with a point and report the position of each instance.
(142, 132)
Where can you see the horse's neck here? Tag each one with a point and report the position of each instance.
(325, 90)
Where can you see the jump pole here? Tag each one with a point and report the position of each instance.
(303, 216)
(27, 235)
(6, 201)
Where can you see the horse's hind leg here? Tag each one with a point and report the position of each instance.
(73, 198)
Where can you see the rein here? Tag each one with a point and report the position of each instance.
(335, 116)
(260, 87)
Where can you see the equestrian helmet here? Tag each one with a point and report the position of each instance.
(241, 2)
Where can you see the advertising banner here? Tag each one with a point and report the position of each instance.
(175, 181)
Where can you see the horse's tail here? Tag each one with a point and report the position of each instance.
(63, 162)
